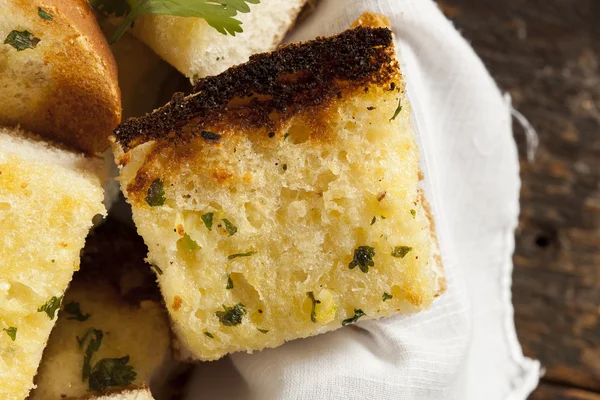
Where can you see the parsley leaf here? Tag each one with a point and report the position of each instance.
(363, 258)
(208, 220)
(248, 254)
(229, 283)
(156, 193)
(189, 243)
(44, 14)
(397, 112)
(400, 251)
(51, 306)
(93, 346)
(357, 314)
(217, 13)
(232, 316)
(21, 40)
(75, 309)
(386, 296)
(111, 372)
(11, 332)
(265, 331)
(208, 334)
(313, 310)
(157, 269)
(229, 227)
(373, 220)
(413, 213)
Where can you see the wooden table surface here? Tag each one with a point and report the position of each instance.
(546, 54)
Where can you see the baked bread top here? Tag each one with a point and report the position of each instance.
(58, 76)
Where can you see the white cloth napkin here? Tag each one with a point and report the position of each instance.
(465, 346)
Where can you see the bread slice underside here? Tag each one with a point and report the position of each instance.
(281, 199)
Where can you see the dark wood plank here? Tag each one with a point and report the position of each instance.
(546, 53)
(552, 392)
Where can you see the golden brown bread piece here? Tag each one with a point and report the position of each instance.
(261, 193)
(64, 86)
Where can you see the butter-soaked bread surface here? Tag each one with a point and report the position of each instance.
(281, 200)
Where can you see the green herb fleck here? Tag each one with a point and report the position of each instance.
(386, 296)
(195, 77)
(229, 227)
(400, 251)
(110, 372)
(413, 213)
(53, 261)
(11, 332)
(373, 220)
(265, 331)
(248, 254)
(363, 258)
(157, 269)
(44, 14)
(232, 316)
(219, 14)
(210, 136)
(397, 112)
(208, 334)
(286, 135)
(313, 309)
(357, 314)
(75, 309)
(229, 283)
(51, 306)
(382, 217)
(284, 167)
(189, 243)
(208, 220)
(93, 346)
(156, 193)
(21, 40)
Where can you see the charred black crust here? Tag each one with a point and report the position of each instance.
(290, 80)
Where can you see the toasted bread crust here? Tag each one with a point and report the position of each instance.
(272, 87)
(80, 100)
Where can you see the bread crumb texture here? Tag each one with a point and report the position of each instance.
(299, 218)
(48, 198)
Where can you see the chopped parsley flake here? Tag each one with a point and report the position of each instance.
(373, 220)
(229, 227)
(265, 331)
(189, 243)
(11, 332)
(210, 136)
(397, 112)
(363, 258)
(75, 309)
(357, 314)
(44, 14)
(21, 40)
(286, 136)
(232, 316)
(400, 251)
(413, 213)
(208, 334)
(110, 372)
(208, 220)
(386, 296)
(93, 346)
(248, 254)
(156, 193)
(229, 283)
(51, 306)
(285, 167)
(157, 269)
(313, 310)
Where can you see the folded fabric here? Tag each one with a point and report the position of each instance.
(465, 346)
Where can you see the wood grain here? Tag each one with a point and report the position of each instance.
(553, 392)
(546, 54)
